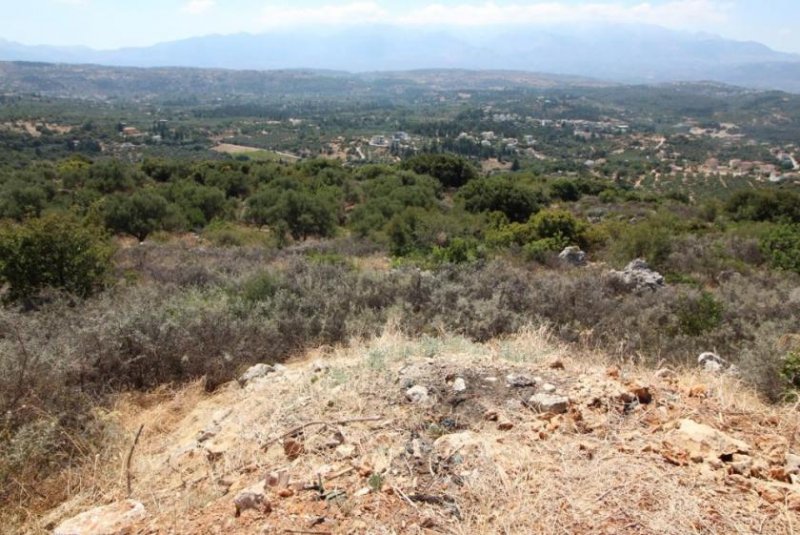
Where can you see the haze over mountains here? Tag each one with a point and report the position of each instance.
(620, 53)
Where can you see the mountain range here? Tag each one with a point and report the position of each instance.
(618, 53)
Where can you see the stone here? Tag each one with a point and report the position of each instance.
(248, 499)
(711, 362)
(547, 388)
(362, 492)
(417, 394)
(208, 432)
(467, 443)
(505, 425)
(740, 464)
(116, 519)
(491, 415)
(255, 372)
(293, 448)
(703, 442)
(549, 403)
(573, 256)
(637, 277)
(346, 451)
(519, 381)
(792, 463)
(459, 385)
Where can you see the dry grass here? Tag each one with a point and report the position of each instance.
(594, 470)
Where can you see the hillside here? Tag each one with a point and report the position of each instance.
(446, 436)
(620, 53)
(103, 82)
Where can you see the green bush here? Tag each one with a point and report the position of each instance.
(651, 239)
(544, 249)
(764, 205)
(452, 171)
(781, 245)
(458, 251)
(559, 224)
(518, 201)
(137, 214)
(55, 251)
(699, 314)
(295, 207)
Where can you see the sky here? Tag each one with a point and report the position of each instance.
(110, 24)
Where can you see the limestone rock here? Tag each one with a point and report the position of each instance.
(459, 385)
(549, 403)
(417, 394)
(792, 463)
(115, 519)
(703, 442)
(637, 277)
(711, 362)
(573, 256)
(253, 499)
(255, 372)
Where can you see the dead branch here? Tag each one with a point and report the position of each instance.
(130, 457)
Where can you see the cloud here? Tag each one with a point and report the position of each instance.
(197, 7)
(72, 2)
(352, 13)
(673, 13)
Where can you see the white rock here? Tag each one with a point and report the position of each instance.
(115, 519)
(459, 385)
(548, 388)
(255, 372)
(573, 256)
(711, 362)
(549, 403)
(417, 394)
(704, 442)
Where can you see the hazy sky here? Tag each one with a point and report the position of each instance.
(116, 23)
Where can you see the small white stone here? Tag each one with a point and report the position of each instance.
(459, 385)
(417, 394)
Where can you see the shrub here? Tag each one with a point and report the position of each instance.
(764, 205)
(558, 224)
(516, 200)
(55, 251)
(699, 314)
(137, 214)
(229, 234)
(781, 245)
(544, 249)
(452, 171)
(295, 208)
(458, 251)
(651, 239)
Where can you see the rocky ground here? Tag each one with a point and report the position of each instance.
(447, 436)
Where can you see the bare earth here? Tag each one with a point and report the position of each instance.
(334, 444)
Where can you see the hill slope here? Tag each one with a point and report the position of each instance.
(622, 53)
(348, 441)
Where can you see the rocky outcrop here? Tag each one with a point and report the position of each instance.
(255, 372)
(572, 256)
(637, 277)
(115, 519)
